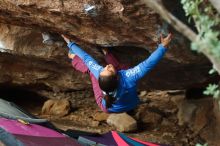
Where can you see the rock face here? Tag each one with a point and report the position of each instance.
(128, 28)
(212, 131)
(199, 116)
(195, 113)
(111, 25)
(27, 61)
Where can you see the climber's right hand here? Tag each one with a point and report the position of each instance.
(165, 40)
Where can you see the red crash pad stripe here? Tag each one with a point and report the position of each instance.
(118, 139)
(143, 142)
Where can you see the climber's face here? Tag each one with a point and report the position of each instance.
(109, 70)
(71, 56)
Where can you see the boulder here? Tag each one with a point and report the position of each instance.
(123, 122)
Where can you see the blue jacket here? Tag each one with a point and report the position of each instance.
(126, 93)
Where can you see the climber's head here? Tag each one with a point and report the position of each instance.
(108, 78)
(108, 82)
(109, 70)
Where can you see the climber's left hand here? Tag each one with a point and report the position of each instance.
(66, 38)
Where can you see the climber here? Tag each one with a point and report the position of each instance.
(114, 86)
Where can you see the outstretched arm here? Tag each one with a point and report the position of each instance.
(134, 74)
(91, 63)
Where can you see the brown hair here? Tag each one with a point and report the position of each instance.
(108, 84)
(109, 100)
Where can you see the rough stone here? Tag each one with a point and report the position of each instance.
(94, 123)
(195, 113)
(56, 107)
(101, 116)
(216, 112)
(165, 122)
(140, 111)
(26, 61)
(185, 112)
(201, 118)
(142, 93)
(211, 133)
(113, 26)
(144, 114)
(151, 118)
(123, 122)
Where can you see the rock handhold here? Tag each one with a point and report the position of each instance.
(56, 107)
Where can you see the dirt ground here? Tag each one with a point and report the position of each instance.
(158, 124)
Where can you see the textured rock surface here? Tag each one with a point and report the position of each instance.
(212, 131)
(151, 118)
(100, 116)
(185, 112)
(114, 23)
(195, 113)
(123, 122)
(129, 28)
(56, 107)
